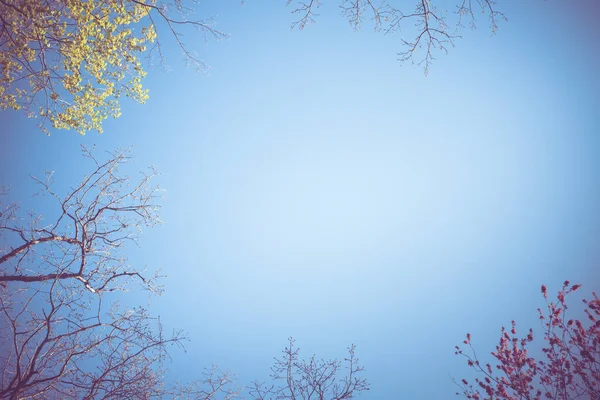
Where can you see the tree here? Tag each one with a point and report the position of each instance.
(63, 333)
(571, 369)
(432, 30)
(310, 379)
(68, 62)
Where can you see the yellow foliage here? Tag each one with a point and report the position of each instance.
(71, 59)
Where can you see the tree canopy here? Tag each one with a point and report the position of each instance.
(67, 63)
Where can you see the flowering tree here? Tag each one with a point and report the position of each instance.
(570, 370)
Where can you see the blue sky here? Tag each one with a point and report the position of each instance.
(317, 188)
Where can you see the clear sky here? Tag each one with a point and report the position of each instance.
(317, 188)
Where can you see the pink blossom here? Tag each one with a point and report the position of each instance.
(569, 370)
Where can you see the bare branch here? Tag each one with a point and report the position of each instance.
(214, 383)
(61, 336)
(425, 31)
(94, 221)
(306, 13)
(306, 379)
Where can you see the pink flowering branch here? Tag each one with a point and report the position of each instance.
(570, 370)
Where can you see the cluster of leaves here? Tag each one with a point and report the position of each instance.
(72, 59)
(69, 61)
(572, 366)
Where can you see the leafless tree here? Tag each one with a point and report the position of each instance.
(215, 384)
(311, 379)
(63, 333)
(433, 28)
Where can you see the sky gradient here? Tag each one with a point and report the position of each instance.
(317, 188)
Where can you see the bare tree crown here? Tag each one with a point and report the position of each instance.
(294, 378)
(426, 29)
(61, 334)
